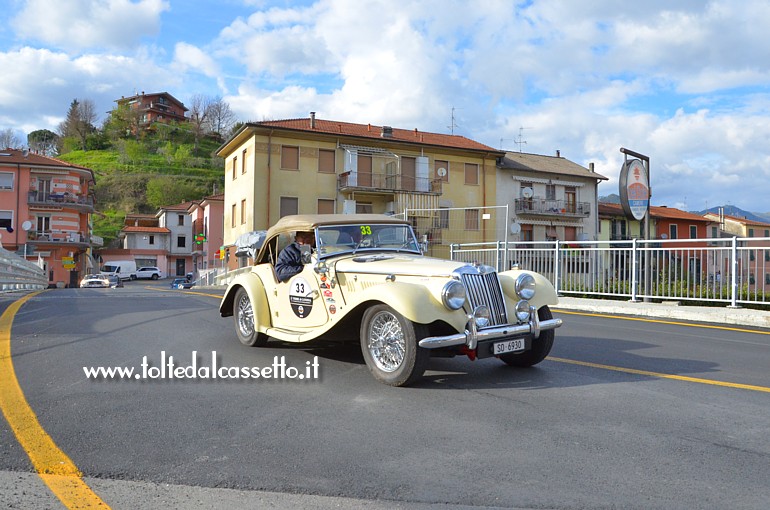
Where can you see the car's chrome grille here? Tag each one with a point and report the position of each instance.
(484, 289)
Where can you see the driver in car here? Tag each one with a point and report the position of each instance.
(289, 260)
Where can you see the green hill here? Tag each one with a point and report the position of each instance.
(138, 176)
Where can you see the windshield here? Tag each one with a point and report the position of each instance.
(354, 238)
(110, 269)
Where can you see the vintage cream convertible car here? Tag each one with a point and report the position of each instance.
(367, 273)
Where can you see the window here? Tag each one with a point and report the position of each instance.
(289, 158)
(570, 233)
(767, 233)
(693, 232)
(243, 162)
(363, 208)
(180, 241)
(471, 219)
(235, 164)
(325, 206)
(471, 173)
(526, 233)
(438, 165)
(243, 211)
(232, 216)
(6, 219)
(752, 256)
(672, 231)
(442, 221)
(751, 232)
(767, 255)
(326, 161)
(6, 180)
(550, 192)
(151, 239)
(767, 278)
(408, 173)
(289, 205)
(43, 224)
(714, 232)
(180, 220)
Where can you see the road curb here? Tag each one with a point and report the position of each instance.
(717, 315)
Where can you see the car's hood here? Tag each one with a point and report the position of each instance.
(396, 263)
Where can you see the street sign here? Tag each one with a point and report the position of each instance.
(634, 189)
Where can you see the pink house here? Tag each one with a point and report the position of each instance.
(45, 209)
(208, 231)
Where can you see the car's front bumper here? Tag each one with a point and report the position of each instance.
(473, 336)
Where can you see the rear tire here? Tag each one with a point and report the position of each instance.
(245, 324)
(155, 276)
(541, 346)
(389, 343)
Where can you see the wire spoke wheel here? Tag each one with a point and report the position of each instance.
(245, 324)
(389, 343)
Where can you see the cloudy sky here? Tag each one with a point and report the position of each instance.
(686, 82)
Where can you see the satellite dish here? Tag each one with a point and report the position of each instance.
(25, 153)
(527, 192)
(441, 172)
(515, 228)
(26, 226)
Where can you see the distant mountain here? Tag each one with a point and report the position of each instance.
(732, 210)
(610, 199)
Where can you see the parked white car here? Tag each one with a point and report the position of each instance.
(148, 273)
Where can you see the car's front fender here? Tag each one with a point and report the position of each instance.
(545, 294)
(415, 301)
(256, 291)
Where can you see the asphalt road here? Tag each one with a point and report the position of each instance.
(623, 414)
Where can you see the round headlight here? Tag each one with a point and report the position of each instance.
(525, 286)
(522, 311)
(482, 316)
(453, 295)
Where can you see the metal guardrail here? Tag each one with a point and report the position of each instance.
(734, 270)
(19, 274)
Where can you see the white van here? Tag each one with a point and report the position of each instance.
(124, 269)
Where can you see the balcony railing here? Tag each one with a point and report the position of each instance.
(546, 207)
(62, 199)
(56, 236)
(364, 181)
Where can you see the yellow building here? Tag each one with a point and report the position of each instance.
(310, 165)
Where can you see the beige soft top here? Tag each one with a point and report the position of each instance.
(310, 221)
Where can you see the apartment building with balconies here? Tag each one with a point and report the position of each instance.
(45, 213)
(311, 165)
(549, 197)
(154, 107)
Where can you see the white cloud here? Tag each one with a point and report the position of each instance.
(80, 24)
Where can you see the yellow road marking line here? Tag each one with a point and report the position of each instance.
(52, 465)
(707, 326)
(662, 376)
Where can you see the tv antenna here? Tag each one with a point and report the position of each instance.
(520, 139)
(453, 125)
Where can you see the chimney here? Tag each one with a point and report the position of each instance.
(387, 132)
(558, 153)
(591, 167)
(312, 120)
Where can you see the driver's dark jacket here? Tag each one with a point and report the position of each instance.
(289, 262)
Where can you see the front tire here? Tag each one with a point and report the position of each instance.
(389, 343)
(245, 323)
(541, 346)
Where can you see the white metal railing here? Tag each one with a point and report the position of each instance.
(730, 270)
(19, 274)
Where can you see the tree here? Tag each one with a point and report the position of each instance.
(43, 141)
(122, 122)
(166, 190)
(199, 111)
(220, 117)
(9, 140)
(79, 122)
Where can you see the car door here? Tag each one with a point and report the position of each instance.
(298, 303)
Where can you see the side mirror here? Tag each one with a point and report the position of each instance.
(304, 250)
(321, 268)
